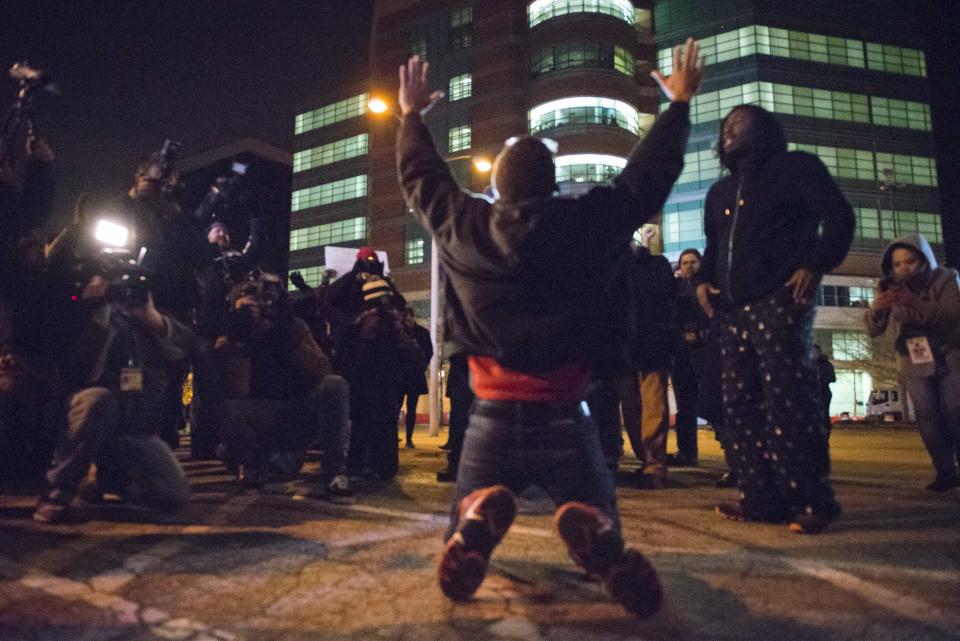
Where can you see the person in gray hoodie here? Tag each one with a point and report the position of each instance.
(923, 300)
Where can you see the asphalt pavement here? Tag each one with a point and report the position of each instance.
(284, 564)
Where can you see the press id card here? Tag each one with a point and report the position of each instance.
(919, 350)
(131, 379)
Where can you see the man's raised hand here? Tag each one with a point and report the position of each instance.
(414, 92)
(688, 64)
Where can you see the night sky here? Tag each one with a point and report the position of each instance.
(206, 73)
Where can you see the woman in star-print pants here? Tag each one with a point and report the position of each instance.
(772, 406)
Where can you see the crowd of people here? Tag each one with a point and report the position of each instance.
(561, 332)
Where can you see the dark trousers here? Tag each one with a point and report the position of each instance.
(460, 401)
(686, 376)
(519, 443)
(411, 416)
(257, 428)
(373, 440)
(774, 410)
(141, 466)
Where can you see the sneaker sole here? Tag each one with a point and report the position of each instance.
(483, 523)
(591, 540)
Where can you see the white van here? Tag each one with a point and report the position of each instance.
(884, 405)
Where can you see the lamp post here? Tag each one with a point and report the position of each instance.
(481, 164)
(889, 186)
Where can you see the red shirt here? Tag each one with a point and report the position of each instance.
(494, 382)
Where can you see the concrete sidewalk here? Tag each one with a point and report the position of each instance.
(286, 565)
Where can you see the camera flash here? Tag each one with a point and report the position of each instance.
(111, 234)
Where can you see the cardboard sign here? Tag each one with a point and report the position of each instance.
(342, 259)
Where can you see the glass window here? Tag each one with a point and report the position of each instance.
(770, 41)
(542, 10)
(330, 153)
(461, 28)
(850, 346)
(879, 228)
(318, 235)
(843, 296)
(418, 47)
(682, 226)
(414, 250)
(594, 168)
(582, 54)
(312, 274)
(461, 87)
(332, 192)
(343, 110)
(811, 103)
(459, 138)
(586, 110)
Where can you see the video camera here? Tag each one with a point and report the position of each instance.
(129, 278)
(224, 201)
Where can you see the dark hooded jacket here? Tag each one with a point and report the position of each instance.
(754, 247)
(937, 311)
(539, 283)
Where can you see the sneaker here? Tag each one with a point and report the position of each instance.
(485, 516)
(250, 478)
(339, 492)
(446, 476)
(729, 479)
(943, 484)
(410, 445)
(595, 545)
(808, 523)
(678, 460)
(52, 508)
(445, 446)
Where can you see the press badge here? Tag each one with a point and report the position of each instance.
(131, 379)
(919, 350)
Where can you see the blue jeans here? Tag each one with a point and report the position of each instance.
(936, 401)
(518, 443)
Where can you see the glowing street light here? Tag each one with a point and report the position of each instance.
(482, 165)
(377, 106)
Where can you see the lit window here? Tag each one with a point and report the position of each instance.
(459, 138)
(330, 153)
(850, 346)
(418, 47)
(585, 110)
(797, 45)
(461, 87)
(336, 112)
(811, 103)
(313, 275)
(682, 226)
(591, 168)
(542, 10)
(876, 229)
(415, 252)
(333, 192)
(576, 55)
(342, 231)
(461, 28)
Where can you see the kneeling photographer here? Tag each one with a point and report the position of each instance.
(281, 393)
(118, 382)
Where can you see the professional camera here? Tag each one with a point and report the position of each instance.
(227, 200)
(128, 277)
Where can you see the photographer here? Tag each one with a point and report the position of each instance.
(376, 353)
(118, 382)
(281, 394)
(32, 321)
(923, 300)
(346, 293)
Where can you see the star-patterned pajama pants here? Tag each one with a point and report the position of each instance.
(773, 409)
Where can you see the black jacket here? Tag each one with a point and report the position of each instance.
(752, 250)
(532, 284)
(655, 293)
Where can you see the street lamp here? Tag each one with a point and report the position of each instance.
(889, 186)
(378, 106)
